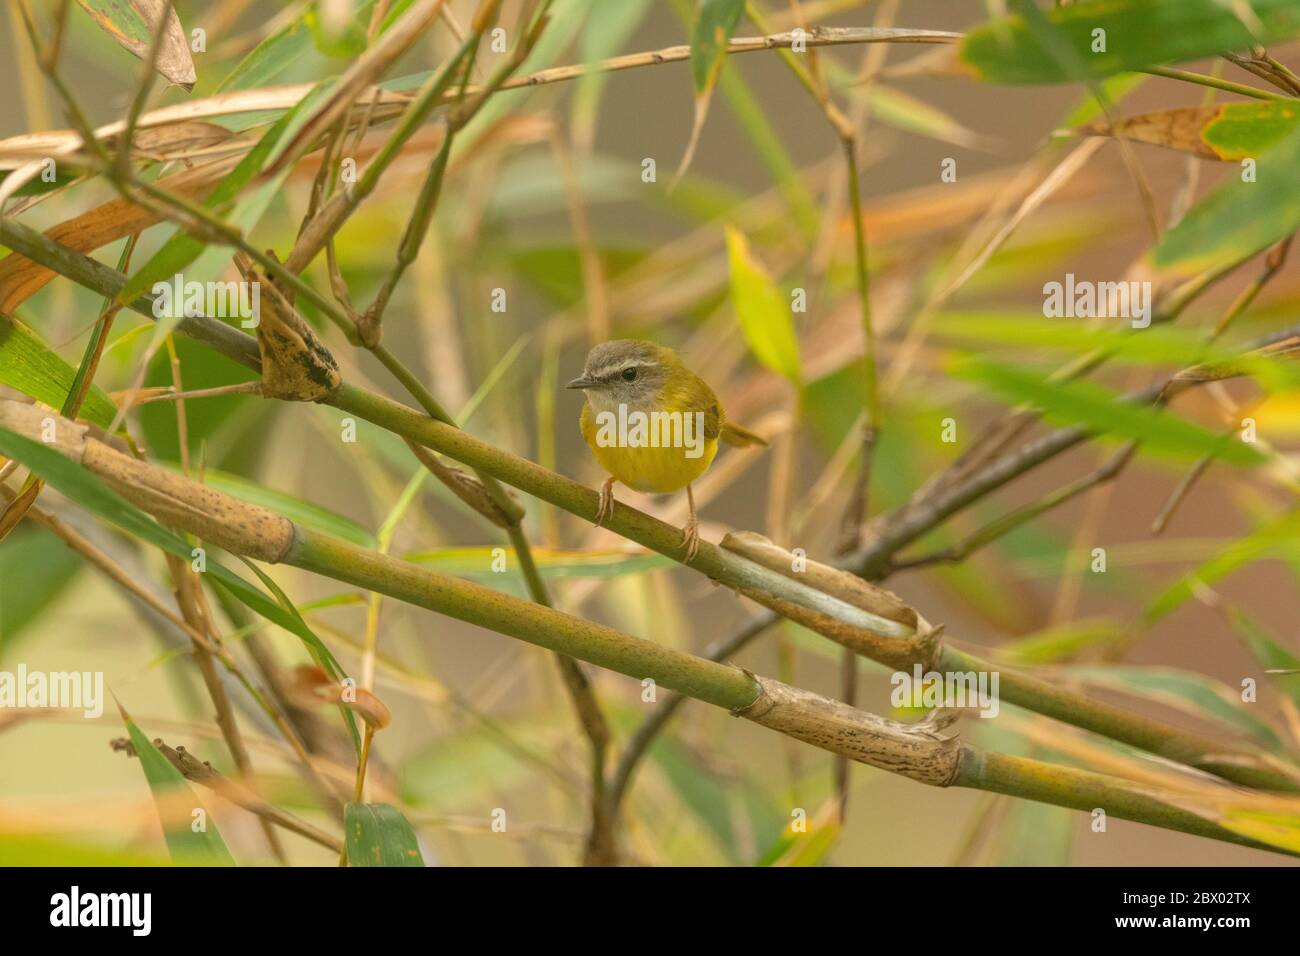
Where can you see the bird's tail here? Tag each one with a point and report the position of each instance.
(739, 436)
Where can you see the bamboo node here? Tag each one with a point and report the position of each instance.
(922, 751)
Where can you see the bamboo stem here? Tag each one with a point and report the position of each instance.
(1085, 790)
(923, 752)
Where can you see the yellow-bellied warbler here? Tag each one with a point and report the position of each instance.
(652, 423)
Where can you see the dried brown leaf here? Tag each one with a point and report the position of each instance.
(133, 23)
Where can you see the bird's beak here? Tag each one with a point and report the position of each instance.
(582, 381)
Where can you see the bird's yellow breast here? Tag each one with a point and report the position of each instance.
(653, 469)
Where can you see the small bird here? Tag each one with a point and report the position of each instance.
(652, 423)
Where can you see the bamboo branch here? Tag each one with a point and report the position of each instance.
(923, 752)
(202, 773)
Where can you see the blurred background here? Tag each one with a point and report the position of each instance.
(544, 193)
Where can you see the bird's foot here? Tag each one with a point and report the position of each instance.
(691, 537)
(605, 506)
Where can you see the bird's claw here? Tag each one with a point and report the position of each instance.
(605, 505)
(691, 537)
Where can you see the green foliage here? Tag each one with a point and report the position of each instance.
(1239, 218)
(190, 844)
(1189, 692)
(35, 567)
(232, 430)
(378, 835)
(1265, 541)
(765, 319)
(712, 30)
(1242, 130)
(1137, 34)
(1282, 665)
(1097, 407)
(30, 366)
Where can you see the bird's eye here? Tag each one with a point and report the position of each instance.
(629, 374)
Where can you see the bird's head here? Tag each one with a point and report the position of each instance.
(626, 371)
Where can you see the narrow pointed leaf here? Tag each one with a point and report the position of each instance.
(1111, 36)
(1098, 408)
(30, 366)
(1273, 656)
(1266, 541)
(204, 847)
(765, 317)
(378, 835)
(710, 36)
(1189, 692)
(1228, 131)
(1242, 216)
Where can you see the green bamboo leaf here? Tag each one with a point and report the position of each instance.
(1098, 408)
(1271, 539)
(1227, 131)
(1188, 692)
(701, 792)
(30, 366)
(378, 835)
(1270, 652)
(286, 46)
(1136, 34)
(341, 41)
(1159, 345)
(1240, 217)
(187, 847)
(35, 567)
(270, 58)
(284, 613)
(710, 36)
(905, 111)
(765, 317)
(490, 755)
(769, 148)
(39, 184)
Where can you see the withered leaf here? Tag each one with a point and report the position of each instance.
(132, 23)
(296, 365)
